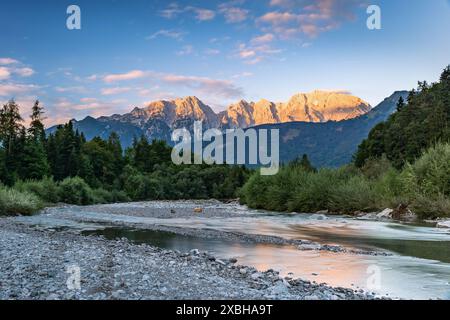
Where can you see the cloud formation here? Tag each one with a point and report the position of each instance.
(173, 10)
(4, 73)
(293, 18)
(177, 35)
(256, 51)
(132, 75)
(201, 85)
(7, 61)
(202, 14)
(265, 38)
(10, 67)
(114, 91)
(207, 86)
(12, 89)
(233, 14)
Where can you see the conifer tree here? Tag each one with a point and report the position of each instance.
(34, 163)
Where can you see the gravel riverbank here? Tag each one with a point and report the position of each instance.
(34, 264)
(122, 215)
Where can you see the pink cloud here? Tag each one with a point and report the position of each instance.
(255, 52)
(4, 73)
(24, 72)
(308, 17)
(268, 37)
(233, 14)
(207, 86)
(7, 61)
(114, 91)
(134, 74)
(11, 89)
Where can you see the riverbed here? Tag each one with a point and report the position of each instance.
(386, 258)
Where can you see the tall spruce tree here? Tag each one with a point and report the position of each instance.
(35, 163)
(37, 129)
(11, 136)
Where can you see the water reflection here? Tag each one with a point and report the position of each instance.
(404, 277)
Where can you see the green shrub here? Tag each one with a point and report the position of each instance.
(254, 192)
(141, 187)
(102, 196)
(376, 168)
(46, 189)
(120, 196)
(355, 194)
(430, 208)
(426, 183)
(430, 174)
(313, 190)
(75, 191)
(15, 202)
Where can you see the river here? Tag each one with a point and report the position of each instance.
(417, 265)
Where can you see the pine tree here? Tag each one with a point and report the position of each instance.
(306, 164)
(445, 76)
(34, 163)
(10, 125)
(12, 135)
(303, 163)
(400, 104)
(36, 129)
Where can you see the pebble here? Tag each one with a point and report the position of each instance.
(34, 266)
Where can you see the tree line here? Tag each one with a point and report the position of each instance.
(417, 125)
(142, 172)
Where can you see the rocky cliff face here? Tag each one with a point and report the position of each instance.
(318, 106)
(172, 113)
(322, 106)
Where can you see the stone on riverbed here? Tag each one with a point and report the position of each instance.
(319, 217)
(279, 288)
(194, 252)
(386, 213)
(443, 224)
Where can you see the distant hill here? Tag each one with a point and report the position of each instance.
(331, 144)
(327, 142)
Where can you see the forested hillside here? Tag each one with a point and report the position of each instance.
(418, 124)
(404, 164)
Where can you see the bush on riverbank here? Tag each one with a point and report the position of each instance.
(46, 189)
(427, 182)
(71, 191)
(423, 185)
(166, 182)
(15, 202)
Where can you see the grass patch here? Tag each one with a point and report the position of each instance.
(13, 202)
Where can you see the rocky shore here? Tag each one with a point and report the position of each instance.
(113, 215)
(39, 263)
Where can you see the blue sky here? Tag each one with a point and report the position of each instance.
(128, 53)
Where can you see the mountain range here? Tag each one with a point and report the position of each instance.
(328, 126)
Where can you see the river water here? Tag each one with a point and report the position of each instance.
(418, 267)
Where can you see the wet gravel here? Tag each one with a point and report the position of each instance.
(172, 209)
(40, 263)
(107, 215)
